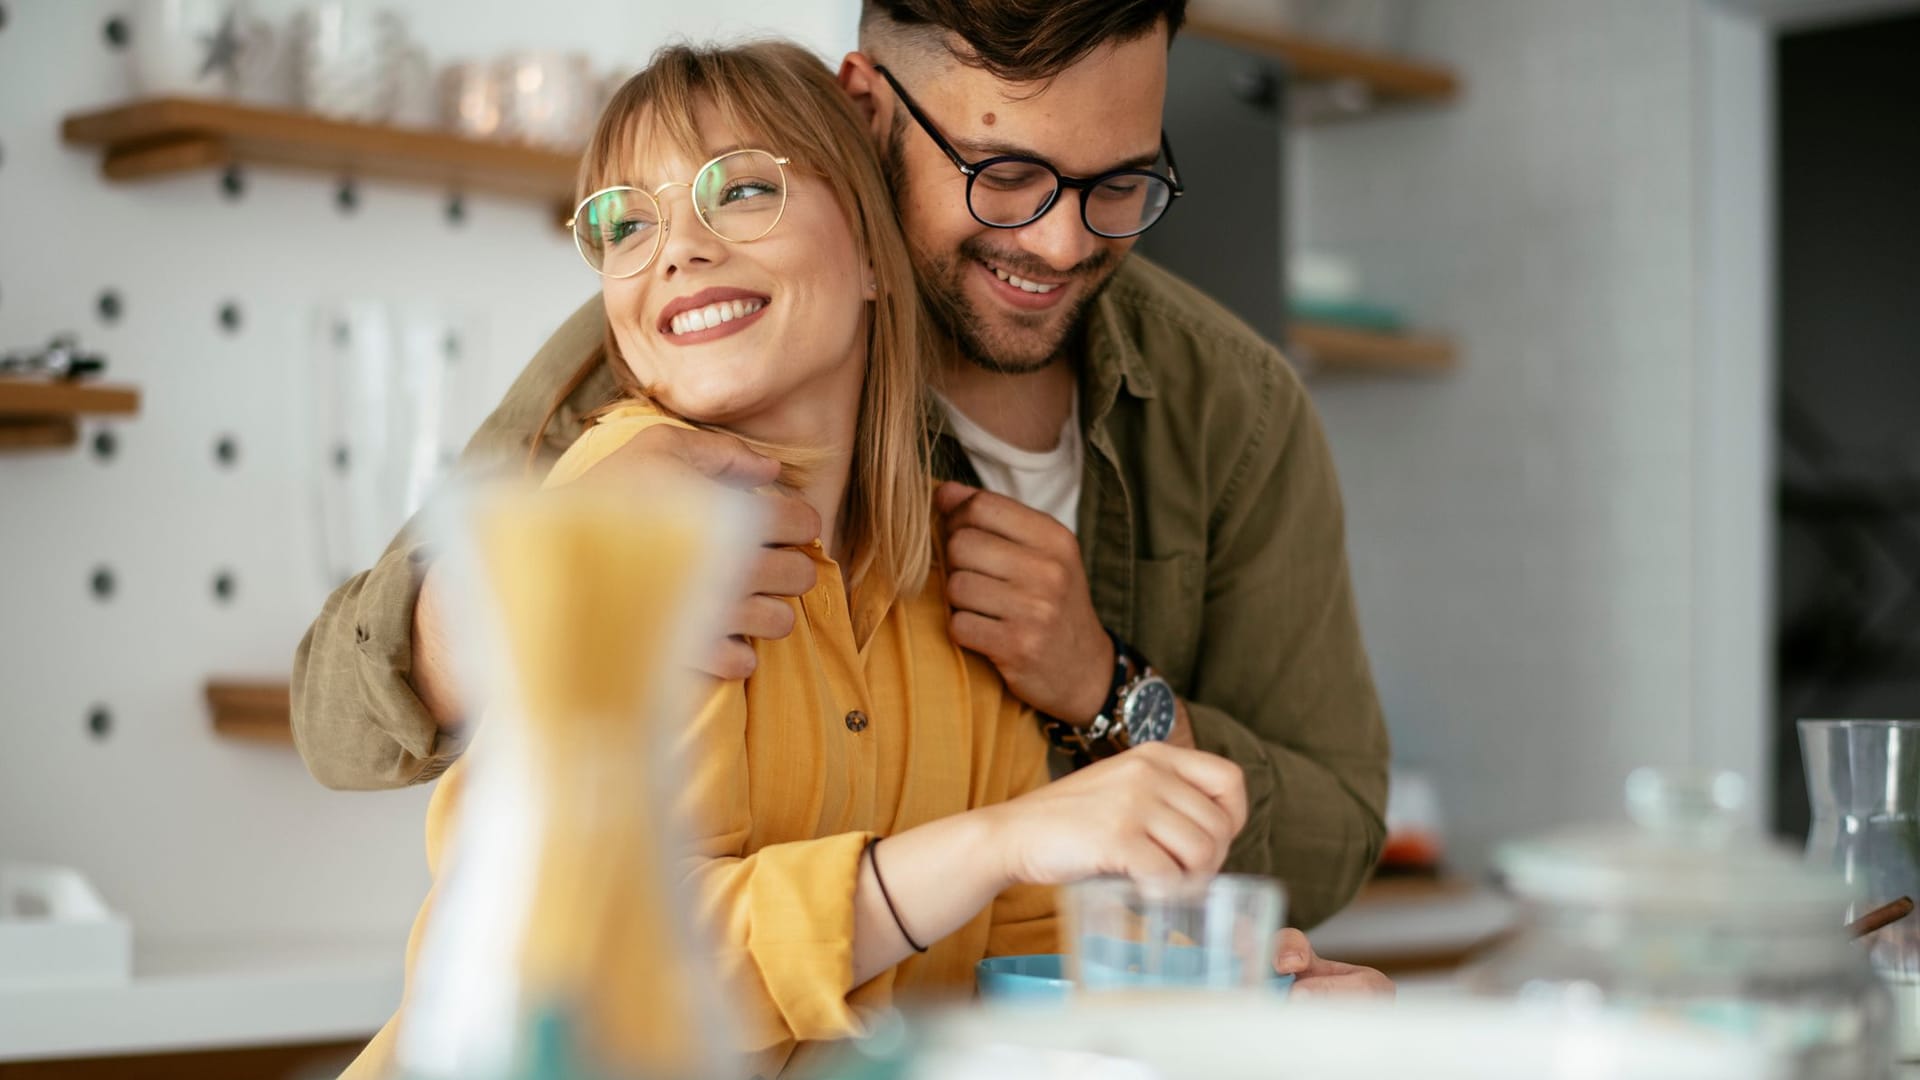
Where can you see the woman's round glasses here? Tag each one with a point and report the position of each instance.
(739, 196)
(1011, 190)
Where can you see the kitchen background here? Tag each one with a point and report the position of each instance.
(1560, 476)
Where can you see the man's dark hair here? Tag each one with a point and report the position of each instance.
(1024, 40)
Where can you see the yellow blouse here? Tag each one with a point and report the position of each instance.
(866, 720)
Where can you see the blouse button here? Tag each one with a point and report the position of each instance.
(856, 721)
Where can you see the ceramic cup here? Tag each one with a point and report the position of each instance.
(195, 48)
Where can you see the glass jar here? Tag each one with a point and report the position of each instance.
(1683, 919)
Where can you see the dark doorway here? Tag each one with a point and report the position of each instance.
(1848, 553)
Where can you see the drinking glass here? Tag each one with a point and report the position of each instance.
(1123, 935)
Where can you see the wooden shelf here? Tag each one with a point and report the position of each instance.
(1388, 79)
(254, 710)
(162, 136)
(41, 412)
(1320, 347)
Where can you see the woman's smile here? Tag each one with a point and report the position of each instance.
(710, 314)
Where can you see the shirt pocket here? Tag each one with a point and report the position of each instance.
(1168, 600)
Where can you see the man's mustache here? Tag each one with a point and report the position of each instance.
(1021, 264)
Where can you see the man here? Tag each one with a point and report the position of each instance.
(1142, 521)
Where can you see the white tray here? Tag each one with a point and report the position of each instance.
(54, 928)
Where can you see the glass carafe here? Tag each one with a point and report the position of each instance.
(1863, 786)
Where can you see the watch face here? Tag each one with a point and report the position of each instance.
(1149, 711)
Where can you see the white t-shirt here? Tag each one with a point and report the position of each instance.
(1047, 480)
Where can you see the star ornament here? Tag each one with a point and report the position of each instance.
(223, 50)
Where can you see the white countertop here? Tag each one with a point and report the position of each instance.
(183, 998)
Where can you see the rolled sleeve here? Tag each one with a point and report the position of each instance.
(357, 721)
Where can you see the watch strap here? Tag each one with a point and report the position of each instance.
(1106, 734)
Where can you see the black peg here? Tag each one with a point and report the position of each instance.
(456, 210)
(103, 583)
(227, 451)
(224, 586)
(105, 444)
(342, 460)
(233, 183)
(99, 722)
(347, 197)
(110, 306)
(118, 33)
(230, 317)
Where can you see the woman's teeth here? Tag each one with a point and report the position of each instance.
(1022, 283)
(713, 315)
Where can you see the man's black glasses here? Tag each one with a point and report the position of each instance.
(1011, 190)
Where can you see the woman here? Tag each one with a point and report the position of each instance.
(756, 281)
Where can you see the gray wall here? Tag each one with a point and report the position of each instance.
(1521, 531)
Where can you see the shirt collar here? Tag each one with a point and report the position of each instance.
(1112, 359)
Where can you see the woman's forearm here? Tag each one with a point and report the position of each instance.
(433, 677)
(940, 875)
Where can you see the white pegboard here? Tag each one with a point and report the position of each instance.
(198, 838)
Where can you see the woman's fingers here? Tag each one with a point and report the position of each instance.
(1197, 852)
(1219, 779)
(1204, 812)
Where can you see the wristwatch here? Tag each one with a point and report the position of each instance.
(1140, 708)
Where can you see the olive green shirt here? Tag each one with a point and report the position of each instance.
(1211, 525)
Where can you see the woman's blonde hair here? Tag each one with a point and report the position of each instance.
(782, 97)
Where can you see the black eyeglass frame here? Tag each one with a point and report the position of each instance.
(972, 170)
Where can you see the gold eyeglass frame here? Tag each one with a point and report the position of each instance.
(666, 223)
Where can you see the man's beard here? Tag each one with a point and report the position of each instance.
(942, 280)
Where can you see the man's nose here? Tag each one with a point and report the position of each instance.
(1059, 237)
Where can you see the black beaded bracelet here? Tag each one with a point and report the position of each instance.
(874, 862)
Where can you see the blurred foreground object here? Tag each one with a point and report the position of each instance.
(1684, 921)
(563, 856)
(1244, 1038)
(1863, 786)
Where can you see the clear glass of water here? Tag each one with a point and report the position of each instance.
(1123, 935)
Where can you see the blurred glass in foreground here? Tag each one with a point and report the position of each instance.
(563, 854)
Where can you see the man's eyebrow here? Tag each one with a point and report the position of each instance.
(977, 149)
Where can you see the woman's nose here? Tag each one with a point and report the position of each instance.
(688, 242)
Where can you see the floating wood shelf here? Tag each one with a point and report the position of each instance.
(1320, 347)
(42, 412)
(254, 710)
(1387, 79)
(162, 136)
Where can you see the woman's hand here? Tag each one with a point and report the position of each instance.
(1315, 977)
(1155, 811)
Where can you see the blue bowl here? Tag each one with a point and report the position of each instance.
(1024, 977)
(1044, 978)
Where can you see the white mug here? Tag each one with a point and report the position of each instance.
(194, 47)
